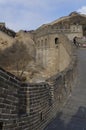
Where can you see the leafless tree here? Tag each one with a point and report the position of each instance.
(16, 58)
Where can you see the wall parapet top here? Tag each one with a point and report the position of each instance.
(9, 77)
(46, 31)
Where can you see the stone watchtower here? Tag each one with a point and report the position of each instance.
(75, 30)
(47, 51)
(51, 53)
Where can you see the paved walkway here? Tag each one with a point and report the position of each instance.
(73, 115)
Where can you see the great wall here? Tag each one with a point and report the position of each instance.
(31, 106)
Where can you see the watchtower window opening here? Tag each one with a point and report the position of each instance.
(41, 43)
(1, 125)
(56, 41)
(46, 43)
(38, 44)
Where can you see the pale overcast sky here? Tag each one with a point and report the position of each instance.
(30, 14)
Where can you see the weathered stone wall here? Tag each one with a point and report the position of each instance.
(26, 106)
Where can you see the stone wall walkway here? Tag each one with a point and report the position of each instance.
(73, 114)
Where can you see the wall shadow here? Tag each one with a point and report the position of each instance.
(77, 121)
